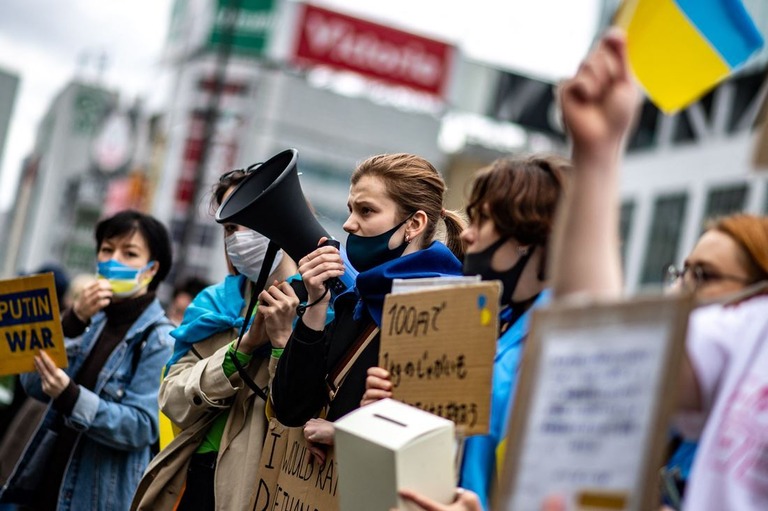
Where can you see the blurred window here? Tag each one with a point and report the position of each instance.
(626, 216)
(664, 237)
(725, 200)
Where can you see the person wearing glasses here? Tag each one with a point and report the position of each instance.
(730, 255)
(221, 420)
(723, 377)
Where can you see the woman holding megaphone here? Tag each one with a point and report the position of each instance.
(395, 207)
(221, 419)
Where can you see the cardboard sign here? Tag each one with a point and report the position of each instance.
(29, 322)
(290, 478)
(590, 418)
(439, 346)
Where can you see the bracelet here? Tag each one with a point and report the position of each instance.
(277, 352)
(302, 308)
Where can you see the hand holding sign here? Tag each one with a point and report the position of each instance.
(378, 385)
(94, 297)
(29, 323)
(52, 379)
(468, 501)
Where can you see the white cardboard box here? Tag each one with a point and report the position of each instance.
(387, 446)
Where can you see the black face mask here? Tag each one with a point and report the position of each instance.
(480, 264)
(366, 252)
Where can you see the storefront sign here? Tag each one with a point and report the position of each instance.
(328, 38)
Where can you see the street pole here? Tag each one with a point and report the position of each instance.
(209, 131)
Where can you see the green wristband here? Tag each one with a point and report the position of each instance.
(277, 352)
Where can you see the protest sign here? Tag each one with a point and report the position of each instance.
(290, 477)
(590, 418)
(438, 345)
(29, 322)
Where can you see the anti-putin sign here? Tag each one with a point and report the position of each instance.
(328, 38)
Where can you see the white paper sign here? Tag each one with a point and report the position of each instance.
(590, 416)
(591, 412)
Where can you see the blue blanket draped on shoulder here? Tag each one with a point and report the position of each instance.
(216, 309)
(373, 285)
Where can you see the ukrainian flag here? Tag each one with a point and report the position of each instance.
(679, 49)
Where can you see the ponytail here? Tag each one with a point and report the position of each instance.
(454, 225)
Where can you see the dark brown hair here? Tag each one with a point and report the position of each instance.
(521, 195)
(155, 235)
(414, 184)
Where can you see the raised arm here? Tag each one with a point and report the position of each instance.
(598, 106)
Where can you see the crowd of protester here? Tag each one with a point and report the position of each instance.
(544, 226)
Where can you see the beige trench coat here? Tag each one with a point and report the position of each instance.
(193, 393)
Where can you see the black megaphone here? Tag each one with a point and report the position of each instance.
(270, 201)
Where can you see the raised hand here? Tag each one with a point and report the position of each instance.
(600, 101)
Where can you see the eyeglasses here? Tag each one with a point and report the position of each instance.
(230, 174)
(696, 276)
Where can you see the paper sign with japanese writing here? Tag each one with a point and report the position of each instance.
(438, 346)
(29, 322)
(590, 416)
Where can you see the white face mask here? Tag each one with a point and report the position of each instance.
(246, 251)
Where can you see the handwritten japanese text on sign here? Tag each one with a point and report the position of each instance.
(439, 346)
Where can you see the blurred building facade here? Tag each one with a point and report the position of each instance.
(9, 85)
(82, 167)
(285, 79)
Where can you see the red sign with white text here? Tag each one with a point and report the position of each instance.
(375, 51)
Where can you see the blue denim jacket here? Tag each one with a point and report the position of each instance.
(117, 421)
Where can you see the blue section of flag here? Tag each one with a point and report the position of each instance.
(727, 26)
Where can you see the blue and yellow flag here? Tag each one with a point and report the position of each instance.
(679, 49)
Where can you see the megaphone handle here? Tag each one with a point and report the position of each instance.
(335, 284)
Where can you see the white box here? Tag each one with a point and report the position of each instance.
(387, 446)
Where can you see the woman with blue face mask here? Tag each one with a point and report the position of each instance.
(220, 419)
(95, 440)
(511, 211)
(395, 207)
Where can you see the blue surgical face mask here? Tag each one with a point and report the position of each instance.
(366, 252)
(125, 280)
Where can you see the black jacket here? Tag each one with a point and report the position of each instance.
(299, 389)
